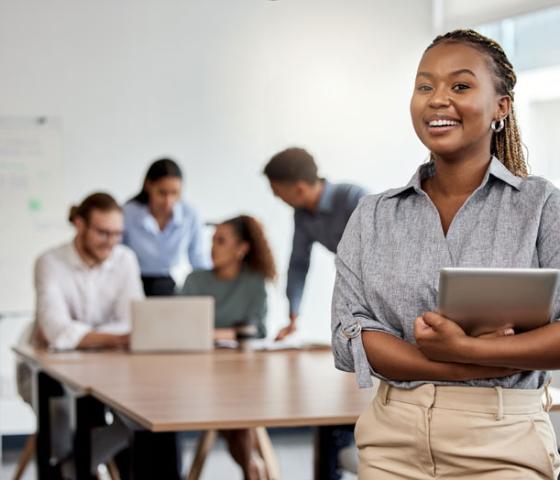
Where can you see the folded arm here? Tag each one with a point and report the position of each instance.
(397, 359)
(442, 339)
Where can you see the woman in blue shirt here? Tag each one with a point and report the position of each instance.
(160, 227)
(242, 263)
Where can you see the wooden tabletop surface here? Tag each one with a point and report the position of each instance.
(222, 389)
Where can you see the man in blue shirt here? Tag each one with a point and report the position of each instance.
(321, 211)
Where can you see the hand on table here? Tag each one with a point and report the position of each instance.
(287, 330)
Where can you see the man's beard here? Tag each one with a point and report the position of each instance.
(90, 252)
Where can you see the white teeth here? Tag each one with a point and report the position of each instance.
(443, 123)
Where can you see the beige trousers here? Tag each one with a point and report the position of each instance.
(457, 433)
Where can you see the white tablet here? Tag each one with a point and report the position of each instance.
(483, 300)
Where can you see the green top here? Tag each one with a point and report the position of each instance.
(239, 301)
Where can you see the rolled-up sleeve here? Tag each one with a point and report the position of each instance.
(350, 311)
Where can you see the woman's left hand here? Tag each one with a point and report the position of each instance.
(440, 338)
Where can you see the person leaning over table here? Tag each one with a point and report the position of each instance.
(321, 211)
(243, 262)
(161, 228)
(449, 405)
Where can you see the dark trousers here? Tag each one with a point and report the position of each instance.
(158, 286)
(152, 457)
(330, 440)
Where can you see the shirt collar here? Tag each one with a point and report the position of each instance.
(73, 256)
(77, 262)
(499, 170)
(326, 202)
(178, 216)
(496, 169)
(150, 223)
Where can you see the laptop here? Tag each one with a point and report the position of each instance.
(482, 300)
(172, 324)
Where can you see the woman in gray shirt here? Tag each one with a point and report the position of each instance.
(242, 262)
(449, 405)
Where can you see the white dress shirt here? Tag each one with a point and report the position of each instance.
(74, 298)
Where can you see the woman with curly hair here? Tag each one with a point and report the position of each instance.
(242, 264)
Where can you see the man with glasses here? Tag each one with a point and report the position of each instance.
(85, 287)
(84, 290)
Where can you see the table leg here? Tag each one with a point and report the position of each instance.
(267, 453)
(88, 414)
(316, 442)
(205, 444)
(45, 389)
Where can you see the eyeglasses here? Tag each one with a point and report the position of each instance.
(106, 234)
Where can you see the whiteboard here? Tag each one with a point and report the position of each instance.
(32, 203)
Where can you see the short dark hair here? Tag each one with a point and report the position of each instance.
(292, 165)
(96, 201)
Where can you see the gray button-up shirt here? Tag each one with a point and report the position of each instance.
(393, 248)
(325, 226)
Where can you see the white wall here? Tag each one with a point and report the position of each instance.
(221, 85)
(458, 13)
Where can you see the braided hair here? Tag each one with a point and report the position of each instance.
(506, 145)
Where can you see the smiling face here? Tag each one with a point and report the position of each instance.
(98, 236)
(455, 101)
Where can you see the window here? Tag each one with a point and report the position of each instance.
(532, 43)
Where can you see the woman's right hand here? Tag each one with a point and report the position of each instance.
(466, 371)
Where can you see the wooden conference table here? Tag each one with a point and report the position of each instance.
(157, 394)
